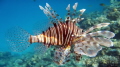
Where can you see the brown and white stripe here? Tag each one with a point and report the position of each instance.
(60, 34)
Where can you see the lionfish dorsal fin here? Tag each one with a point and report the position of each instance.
(50, 13)
(71, 15)
(97, 26)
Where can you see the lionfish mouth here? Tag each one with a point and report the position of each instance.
(66, 33)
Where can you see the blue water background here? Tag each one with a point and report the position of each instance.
(25, 13)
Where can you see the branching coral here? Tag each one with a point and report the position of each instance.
(100, 60)
(113, 15)
(113, 1)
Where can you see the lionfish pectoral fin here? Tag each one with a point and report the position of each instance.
(88, 49)
(97, 26)
(106, 34)
(91, 45)
(100, 37)
(18, 39)
(103, 41)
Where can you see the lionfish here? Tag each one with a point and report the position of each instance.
(66, 35)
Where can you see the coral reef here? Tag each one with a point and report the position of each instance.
(110, 13)
(108, 57)
(100, 61)
(4, 58)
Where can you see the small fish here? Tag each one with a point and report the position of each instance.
(102, 4)
(64, 34)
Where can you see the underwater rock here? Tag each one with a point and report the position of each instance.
(117, 43)
(113, 52)
(1, 54)
(19, 61)
(101, 60)
(113, 1)
(2, 63)
(115, 27)
(95, 64)
(113, 15)
(112, 11)
(5, 54)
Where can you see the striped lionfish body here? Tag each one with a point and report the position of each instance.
(61, 34)
(66, 33)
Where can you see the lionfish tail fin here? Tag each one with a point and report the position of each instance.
(97, 26)
(18, 39)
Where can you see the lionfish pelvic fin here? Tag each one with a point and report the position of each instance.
(62, 55)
